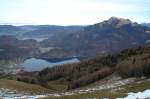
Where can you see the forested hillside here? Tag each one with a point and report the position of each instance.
(128, 63)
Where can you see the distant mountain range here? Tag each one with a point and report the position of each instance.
(49, 31)
(9, 30)
(146, 24)
(37, 31)
(109, 36)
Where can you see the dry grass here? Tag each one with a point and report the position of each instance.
(110, 94)
(21, 86)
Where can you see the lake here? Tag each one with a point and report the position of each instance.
(34, 64)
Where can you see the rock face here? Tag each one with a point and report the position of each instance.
(109, 36)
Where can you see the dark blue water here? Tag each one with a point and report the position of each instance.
(33, 64)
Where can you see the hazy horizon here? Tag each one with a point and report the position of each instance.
(71, 12)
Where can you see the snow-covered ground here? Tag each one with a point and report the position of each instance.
(140, 95)
(12, 94)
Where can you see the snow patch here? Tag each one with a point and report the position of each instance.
(139, 95)
(13, 94)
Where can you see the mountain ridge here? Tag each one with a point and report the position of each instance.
(111, 35)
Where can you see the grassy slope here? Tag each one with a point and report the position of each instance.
(21, 86)
(57, 85)
(110, 94)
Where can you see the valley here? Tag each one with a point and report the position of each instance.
(105, 60)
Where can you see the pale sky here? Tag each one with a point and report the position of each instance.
(71, 12)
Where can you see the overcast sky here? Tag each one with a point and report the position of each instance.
(71, 12)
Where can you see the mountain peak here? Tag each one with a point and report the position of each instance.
(118, 22)
(115, 20)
